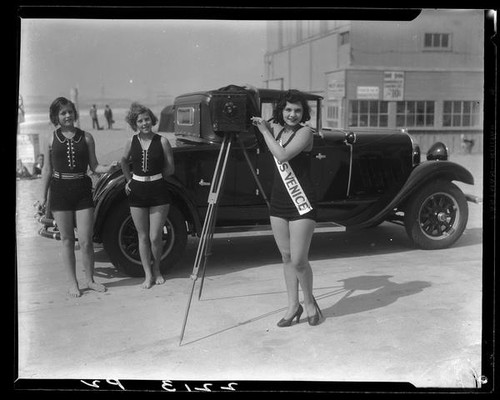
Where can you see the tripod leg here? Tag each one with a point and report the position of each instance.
(203, 269)
(187, 312)
(219, 183)
(209, 224)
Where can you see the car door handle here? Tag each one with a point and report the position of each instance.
(320, 156)
(203, 183)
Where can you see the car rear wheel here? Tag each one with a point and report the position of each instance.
(436, 215)
(121, 244)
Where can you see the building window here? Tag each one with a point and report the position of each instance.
(414, 113)
(332, 114)
(437, 41)
(372, 113)
(461, 113)
(344, 38)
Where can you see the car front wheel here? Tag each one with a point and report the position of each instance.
(436, 215)
(121, 243)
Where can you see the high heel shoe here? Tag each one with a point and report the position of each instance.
(287, 322)
(314, 320)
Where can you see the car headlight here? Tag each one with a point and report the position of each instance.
(438, 151)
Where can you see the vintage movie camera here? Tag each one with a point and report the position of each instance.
(229, 111)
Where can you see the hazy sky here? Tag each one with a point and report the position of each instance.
(133, 58)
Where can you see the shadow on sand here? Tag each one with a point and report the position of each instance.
(240, 253)
(384, 293)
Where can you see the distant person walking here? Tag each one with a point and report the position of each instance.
(108, 114)
(93, 115)
(38, 166)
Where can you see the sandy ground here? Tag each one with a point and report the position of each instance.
(393, 313)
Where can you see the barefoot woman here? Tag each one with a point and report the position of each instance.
(149, 199)
(69, 153)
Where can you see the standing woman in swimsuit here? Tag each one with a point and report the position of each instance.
(292, 215)
(148, 195)
(68, 156)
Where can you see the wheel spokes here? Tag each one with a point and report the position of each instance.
(438, 216)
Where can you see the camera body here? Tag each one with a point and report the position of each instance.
(229, 111)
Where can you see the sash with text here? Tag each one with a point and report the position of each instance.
(292, 185)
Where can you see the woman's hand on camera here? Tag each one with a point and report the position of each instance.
(260, 123)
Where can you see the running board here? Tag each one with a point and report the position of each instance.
(263, 230)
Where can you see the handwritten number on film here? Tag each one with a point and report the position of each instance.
(95, 383)
(166, 385)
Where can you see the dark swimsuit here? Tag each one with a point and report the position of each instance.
(70, 186)
(281, 203)
(146, 163)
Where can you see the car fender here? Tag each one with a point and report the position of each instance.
(115, 191)
(425, 172)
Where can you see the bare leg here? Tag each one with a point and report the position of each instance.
(85, 229)
(140, 216)
(301, 232)
(281, 234)
(157, 217)
(66, 226)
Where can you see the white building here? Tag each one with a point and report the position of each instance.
(424, 75)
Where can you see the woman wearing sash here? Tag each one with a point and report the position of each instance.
(293, 203)
(148, 195)
(68, 156)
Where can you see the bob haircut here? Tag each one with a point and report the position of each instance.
(56, 107)
(135, 110)
(291, 96)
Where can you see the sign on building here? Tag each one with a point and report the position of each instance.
(336, 89)
(394, 82)
(367, 93)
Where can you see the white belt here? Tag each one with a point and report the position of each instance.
(69, 175)
(147, 178)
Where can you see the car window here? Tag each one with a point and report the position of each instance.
(267, 110)
(313, 122)
(185, 116)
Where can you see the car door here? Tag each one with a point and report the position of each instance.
(243, 200)
(330, 169)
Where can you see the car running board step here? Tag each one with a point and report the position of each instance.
(262, 230)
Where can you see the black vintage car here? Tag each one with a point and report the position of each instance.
(362, 177)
